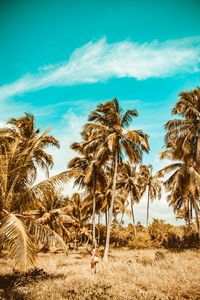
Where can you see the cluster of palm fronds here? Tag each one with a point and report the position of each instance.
(112, 183)
(182, 143)
(22, 151)
(109, 170)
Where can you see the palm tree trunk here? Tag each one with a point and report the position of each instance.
(148, 202)
(133, 219)
(121, 220)
(108, 208)
(189, 213)
(197, 218)
(98, 238)
(105, 258)
(93, 212)
(75, 243)
(106, 219)
(118, 229)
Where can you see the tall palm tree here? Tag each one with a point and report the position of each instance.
(88, 172)
(182, 143)
(128, 183)
(185, 130)
(151, 183)
(22, 150)
(110, 138)
(183, 187)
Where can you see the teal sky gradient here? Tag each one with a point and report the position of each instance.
(39, 37)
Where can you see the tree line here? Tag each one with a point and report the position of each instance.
(108, 168)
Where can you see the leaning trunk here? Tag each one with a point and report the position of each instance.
(105, 258)
(148, 202)
(93, 212)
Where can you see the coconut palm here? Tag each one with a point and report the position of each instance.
(111, 140)
(151, 183)
(88, 172)
(183, 187)
(54, 213)
(22, 150)
(77, 209)
(185, 130)
(182, 143)
(128, 184)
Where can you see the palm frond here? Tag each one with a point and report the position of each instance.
(168, 169)
(22, 248)
(128, 116)
(46, 236)
(45, 188)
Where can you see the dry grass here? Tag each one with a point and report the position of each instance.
(130, 274)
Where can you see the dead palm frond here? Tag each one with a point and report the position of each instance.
(14, 234)
(44, 235)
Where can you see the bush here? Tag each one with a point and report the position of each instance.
(172, 237)
(141, 241)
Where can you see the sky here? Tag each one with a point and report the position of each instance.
(60, 59)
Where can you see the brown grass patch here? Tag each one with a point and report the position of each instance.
(130, 274)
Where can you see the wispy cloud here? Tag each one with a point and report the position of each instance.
(99, 61)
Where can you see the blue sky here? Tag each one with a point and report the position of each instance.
(59, 59)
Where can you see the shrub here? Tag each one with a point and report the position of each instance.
(141, 241)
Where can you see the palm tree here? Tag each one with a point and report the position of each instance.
(149, 182)
(185, 130)
(183, 187)
(22, 150)
(110, 139)
(128, 183)
(88, 172)
(182, 143)
(77, 209)
(55, 214)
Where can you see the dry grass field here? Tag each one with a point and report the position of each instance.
(130, 274)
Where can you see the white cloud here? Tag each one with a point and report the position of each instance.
(68, 134)
(2, 124)
(99, 61)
